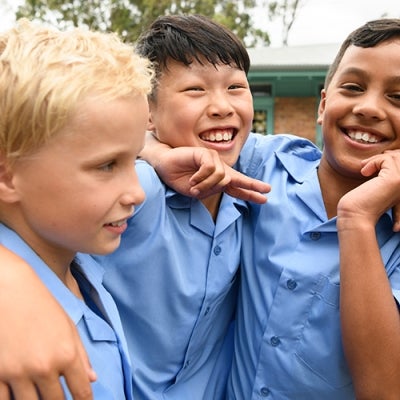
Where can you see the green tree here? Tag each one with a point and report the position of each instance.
(130, 17)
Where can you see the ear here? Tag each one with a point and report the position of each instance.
(8, 193)
(321, 107)
(150, 125)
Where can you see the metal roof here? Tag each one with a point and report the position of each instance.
(306, 57)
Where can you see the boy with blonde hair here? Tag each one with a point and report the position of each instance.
(73, 116)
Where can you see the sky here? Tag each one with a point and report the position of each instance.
(318, 21)
(330, 21)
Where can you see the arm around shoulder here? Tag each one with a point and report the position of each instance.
(39, 343)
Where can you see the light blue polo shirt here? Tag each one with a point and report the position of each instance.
(174, 281)
(103, 338)
(288, 340)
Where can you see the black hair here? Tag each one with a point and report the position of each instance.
(370, 34)
(188, 38)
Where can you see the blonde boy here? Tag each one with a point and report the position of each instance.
(72, 121)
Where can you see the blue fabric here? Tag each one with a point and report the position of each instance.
(103, 341)
(174, 281)
(288, 339)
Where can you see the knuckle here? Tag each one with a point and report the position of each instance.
(83, 392)
(15, 371)
(11, 370)
(67, 352)
(41, 369)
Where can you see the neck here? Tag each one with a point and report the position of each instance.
(57, 258)
(62, 268)
(333, 187)
(212, 204)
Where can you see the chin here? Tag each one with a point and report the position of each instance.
(106, 249)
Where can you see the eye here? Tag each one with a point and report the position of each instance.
(352, 87)
(238, 86)
(107, 167)
(395, 96)
(193, 89)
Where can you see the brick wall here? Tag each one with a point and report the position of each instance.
(297, 115)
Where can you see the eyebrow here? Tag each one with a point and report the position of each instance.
(352, 70)
(361, 72)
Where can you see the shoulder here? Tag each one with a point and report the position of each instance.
(260, 150)
(278, 142)
(146, 173)
(153, 187)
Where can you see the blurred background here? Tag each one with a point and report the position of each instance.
(291, 42)
(257, 22)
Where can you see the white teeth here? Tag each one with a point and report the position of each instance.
(119, 223)
(363, 137)
(218, 136)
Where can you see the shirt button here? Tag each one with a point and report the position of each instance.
(264, 391)
(217, 250)
(315, 235)
(291, 284)
(187, 363)
(275, 341)
(206, 310)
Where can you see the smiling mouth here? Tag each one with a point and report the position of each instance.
(219, 135)
(118, 223)
(363, 137)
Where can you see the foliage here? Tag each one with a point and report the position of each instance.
(129, 17)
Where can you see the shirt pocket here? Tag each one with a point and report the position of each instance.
(320, 346)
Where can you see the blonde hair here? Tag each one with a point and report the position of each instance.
(46, 73)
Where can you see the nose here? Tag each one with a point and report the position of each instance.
(220, 105)
(370, 106)
(133, 192)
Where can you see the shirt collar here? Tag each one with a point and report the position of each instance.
(63, 295)
(297, 163)
(177, 200)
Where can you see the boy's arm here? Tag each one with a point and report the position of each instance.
(369, 313)
(199, 172)
(39, 342)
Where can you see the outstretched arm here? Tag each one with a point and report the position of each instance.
(369, 313)
(39, 343)
(199, 172)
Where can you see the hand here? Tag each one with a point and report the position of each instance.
(372, 198)
(39, 343)
(239, 186)
(200, 173)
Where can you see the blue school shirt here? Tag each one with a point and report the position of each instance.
(288, 339)
(174, 281)
(102, 338)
